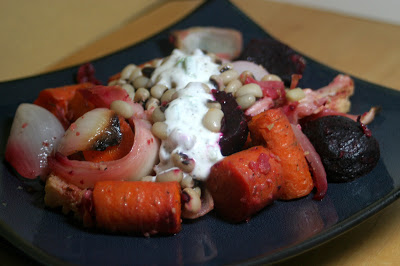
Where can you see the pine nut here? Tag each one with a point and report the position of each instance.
(213, 104)
(233, 86)
(193, 205)
(137, 72)
(122, 108)
(140, 82)
(158, 90)
(251, 88)
(170, 176)
(295, 94)
(158, 115)
(152, 103)
(212, 119)
(166, 97)
(183, 162)
(159, 129)
(187, 181)
(127, 71)
(271, 77)
(217, 82)
(130, 90)
(141, 95)
(228, 76)
(246, 101)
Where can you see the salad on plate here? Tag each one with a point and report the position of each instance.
(211, 127)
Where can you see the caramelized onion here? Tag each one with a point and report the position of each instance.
(137, 163)
(316, 167)
(35, 133)
(95, 130)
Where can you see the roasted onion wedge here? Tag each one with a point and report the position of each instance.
(95, 130)
(137, 163)
(35, 133)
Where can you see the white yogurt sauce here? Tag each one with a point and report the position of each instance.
(186, 133)
(177, 70)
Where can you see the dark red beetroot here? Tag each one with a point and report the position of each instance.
(244, 183)
(86, 73)
(234, 124)
(276, 57)
(346, 147)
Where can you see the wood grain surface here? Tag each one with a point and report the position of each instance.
(366, 49)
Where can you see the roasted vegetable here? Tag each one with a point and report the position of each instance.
(347, 148)
(272, 128)
(244, 183)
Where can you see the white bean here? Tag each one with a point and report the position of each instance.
(233, 86)
(228, 76)
(130, 90)
(166, 97)
(159, 129)
(158, 115)
(251, 88)
(141, 95)
(141, 82)
(170, 176)
(137, 72)
(194, 203)
(271, 77)
(295, 94)
(212, 119)
(246, 101)
(122, 108)
(158, 90)
(127, 71)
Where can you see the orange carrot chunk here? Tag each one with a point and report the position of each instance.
(138, 207)
(56, 100)
(244, 183)
(272, 128)
(116, 152)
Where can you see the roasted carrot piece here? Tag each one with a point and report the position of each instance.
(114, 152)
(244, 183)
(56, 100)
(272, 128)
(78, 106)
(138, 207)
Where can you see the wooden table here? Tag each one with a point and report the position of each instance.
(366, 49)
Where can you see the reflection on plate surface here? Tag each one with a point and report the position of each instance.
(281, 230)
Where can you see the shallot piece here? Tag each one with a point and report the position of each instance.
(35, 133)
(95, 130)
(225, 43)
(316, 167)
(137, 163)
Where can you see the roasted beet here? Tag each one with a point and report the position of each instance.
(347, 152)
(86, 73)
(276, 57)
(234, 124)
